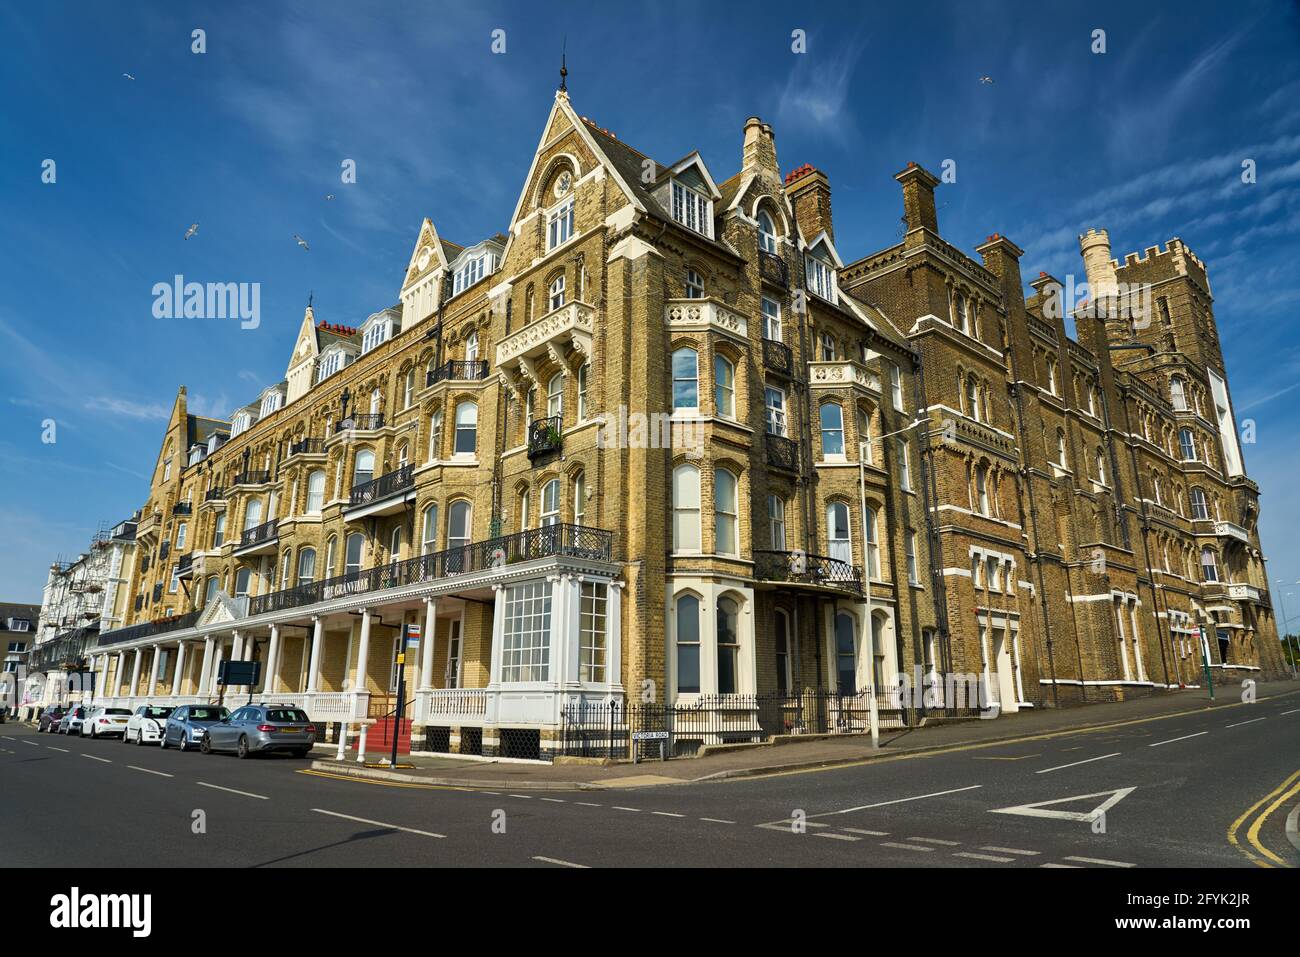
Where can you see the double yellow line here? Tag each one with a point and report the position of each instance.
(1284, 792)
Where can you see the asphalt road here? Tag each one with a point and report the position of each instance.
(1210, 789)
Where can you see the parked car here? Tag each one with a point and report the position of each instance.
(49, 719)
(146, 725)
(105, 722)
(186, 725)
(260, 728)
(71, 721)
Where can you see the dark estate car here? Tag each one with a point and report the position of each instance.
(261, 728)
(50, 718)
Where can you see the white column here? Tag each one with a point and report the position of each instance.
(564, 631)
(498, 635)
(272, 660)
(178, 673)
(360, 684)
(135, 673)
(154, 668)
(205, 672)
(614, 636)
(317, 640)
(218, 654)
(101, 677)
(117, 674)
(426, 649)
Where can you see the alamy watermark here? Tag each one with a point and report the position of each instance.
(213, 300)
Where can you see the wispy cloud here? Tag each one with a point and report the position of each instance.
(128, 408)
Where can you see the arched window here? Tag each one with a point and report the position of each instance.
(1200, 507)
(686, 509)
(1209, 565)
(1178, 393)
(435, 435)
(555, 292)
(1101, 467)
(1157, 489)
(219, 530)
(471, 347)
(982, 488)
(959, 311)
(315, 491)
(211, 591)
(579, 498)
(525, 500)
(242, 579)
(1060, 448)
(363, 469)
(395, 545)
(458, 524)
(781, 641)
(694, 285)
(724, 387)
(253, 514)
(551, 503)
(728, 646)
(766, 232)
(724, 507)
(306, 566)
(466, 428)
(687, 630)
(846, 654)
(1051, 375)
(1187, 445)
(329, 556)
(837, 532)
(873, 546)
(776, 521)
(832, 422)
(429, 527)
(584, 371)
(864, 434)
(686, 379)
(555, 396)
(408, 388)
(352, 553)
(973, 397)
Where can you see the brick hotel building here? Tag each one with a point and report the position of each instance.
(903, 464)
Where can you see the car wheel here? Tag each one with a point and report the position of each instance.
(162, 742)
(302, 752)
(205, 745)
(139, 738)
(242, 749)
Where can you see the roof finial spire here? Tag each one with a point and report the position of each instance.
(310, 294)
(564, 70)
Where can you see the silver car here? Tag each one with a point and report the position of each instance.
(259, 728)
(71, 721)
(187, 725)
(105, 723)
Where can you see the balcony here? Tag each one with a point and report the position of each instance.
(148, 629)
(458, 370)
(782, 453)
(571, 324)
(185, 566)
(307, 447)
(544, 437)
(251, 477)
(182, 508)
(1231, 530)
(777, 357)
(368, 422)
(773, 269)
(704, 315)
(139, 602)
(382, 496)
(834, 375)
(259, 538)
(560, 540)
(157, 592)
(164, 550)
(800, 568)
(215, 495)
(1243, 592)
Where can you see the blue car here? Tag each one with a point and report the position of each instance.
(187, 725)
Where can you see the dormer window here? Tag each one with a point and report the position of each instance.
(472, 272)
(559, 224)
(692, 209)
(270, 403)
(376, 335)
(821, 278)
(330, 362)
(766, 233)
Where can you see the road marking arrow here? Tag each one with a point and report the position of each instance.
(1039, 808)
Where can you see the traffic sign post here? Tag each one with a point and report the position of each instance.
(412, 640)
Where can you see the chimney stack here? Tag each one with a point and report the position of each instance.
(759, 152)
(1095, 246)
(918, 198)
(809, 192)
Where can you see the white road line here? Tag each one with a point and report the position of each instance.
(1183, 738)
(935, 840)
(524, 797)
(860, 830)
(93, 758)
(218, 787)
(556, 860)
(1240, 723)
(716, 820)
(905, 847)
(554, 800)
(983, 857)
(391, 827)
(836, 837)
(1293, 711)
(587, 804)
(636, 810)
(1049, 864)
(161, 774)
(32, 743)
(1010, 850)
(493, 793)
(1100, 860)
(919, 797)
(7, 738)
(53, 748)
(667, 814)
(1062, 767)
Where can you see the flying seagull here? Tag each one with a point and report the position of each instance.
(128, 76)
(194, 228)
(986, 79)
(329, 195)
(301, 242)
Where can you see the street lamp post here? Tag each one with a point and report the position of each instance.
(1285, 637)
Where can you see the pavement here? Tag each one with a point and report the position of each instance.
(1197, 787)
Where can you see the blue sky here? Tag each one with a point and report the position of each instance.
(247, 139)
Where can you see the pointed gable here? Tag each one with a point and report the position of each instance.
(421, 292)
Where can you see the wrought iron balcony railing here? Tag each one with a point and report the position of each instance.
(461, 370)
(307, 447)
(148, 629)
(258, 534)
(361, 423)
(164, 550)
(215, 494)
(182, 508)
(782, 452)
(376, 490)
(544, 436)
(802, 568)
(184, 565)
(253, 477)
(772, 268)
(778, 357)
(574, 541)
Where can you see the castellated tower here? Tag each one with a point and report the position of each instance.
(1095, 246)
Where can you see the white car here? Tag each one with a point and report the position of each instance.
(146, 725)
(105, 723)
